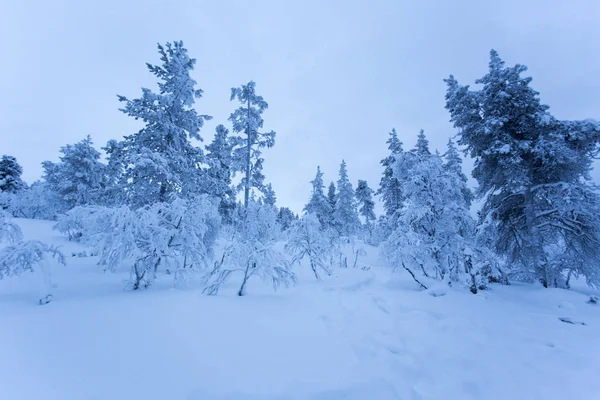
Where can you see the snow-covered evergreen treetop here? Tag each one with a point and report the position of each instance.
(79, 178)
(390, 188)
(10, 175)
(219, 156)
(454, 165)
(159, 160)
(318, 204)
(364, 197)
(345, 216)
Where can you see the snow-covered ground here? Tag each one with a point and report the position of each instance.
(359, 334)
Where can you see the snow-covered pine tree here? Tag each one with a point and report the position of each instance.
(422, 147)
(331, 195)
(364, 197)
(159, 160)
(532, 172)
(79, 178)
(269, 198)
(434, 225)
(247, 146)
(309, 240)
(10, 175)
(454, 164)
(345, 216)
(253, 253)
(390, 189)
(318, 203)
(219, 156)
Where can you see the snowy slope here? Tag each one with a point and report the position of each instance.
(360, 334)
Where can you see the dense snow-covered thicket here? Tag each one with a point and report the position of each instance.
(158, 203)
(176, 237)
(434, 230)
(253, 252)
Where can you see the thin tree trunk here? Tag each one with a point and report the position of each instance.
(241, 292)
(414, 277)
(138, 277)
(312, 265)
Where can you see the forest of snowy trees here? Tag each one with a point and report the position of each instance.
(157, 203)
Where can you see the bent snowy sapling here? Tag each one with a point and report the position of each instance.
(21, 256)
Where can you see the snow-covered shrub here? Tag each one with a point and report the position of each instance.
(307, 239)
(177, 236)
(253, 253)
(23, 256)
(72, 224)
(35, 202)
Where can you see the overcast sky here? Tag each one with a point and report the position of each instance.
(337, 75)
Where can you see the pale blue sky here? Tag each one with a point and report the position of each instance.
(338, 75)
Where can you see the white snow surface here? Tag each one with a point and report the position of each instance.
(358, 334)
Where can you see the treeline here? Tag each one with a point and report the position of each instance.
(160, 202)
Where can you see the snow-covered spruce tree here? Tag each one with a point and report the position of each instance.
(219, 156)
(345, 216)
(454, 164)
(434, 226)
(364, 197)
(318, 203)
(285, 218)
(422, 146)
(176, 237)
(331, 193)
(269, 198)
(247, 121)
(159, 160)
(23, 256)
(390, 189)
(79, 178)
(309, 240)
(253, 253)
(533, 173)
(10, 175)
